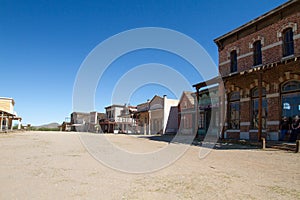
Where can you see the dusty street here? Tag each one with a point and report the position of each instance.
(55, 165)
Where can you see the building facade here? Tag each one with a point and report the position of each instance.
(260, 69)
(186, 113)
(142, 118)
(7, 114)
(86, 122)
(157, 116)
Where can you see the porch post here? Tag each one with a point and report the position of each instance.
(196, 112)
(19, 124)
(259, 105)
(222, 109)
(149, 122)
(1, 121)
(11, 124)
(6, 124)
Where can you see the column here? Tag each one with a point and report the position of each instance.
(19, 124)
(1, 121)
(6, 124)
(11, 124)
(259, 106)
(149, 124)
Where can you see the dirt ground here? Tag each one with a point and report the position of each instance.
(55, 165)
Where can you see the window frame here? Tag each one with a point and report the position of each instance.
(234, 101)
(233, 61)
(286, 93)
(255, 97)
(288, 42)
(257, 53)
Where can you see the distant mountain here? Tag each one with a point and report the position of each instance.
(51, 125)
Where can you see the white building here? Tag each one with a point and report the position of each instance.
(163, 115)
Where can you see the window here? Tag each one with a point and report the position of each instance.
(288, 42)
(234, 111)
(290, 99)
(201, 121)
(291, 86)
(255, 99)
(257, 53)
(233, 61)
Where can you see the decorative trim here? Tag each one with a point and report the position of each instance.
(272, 95)
(234, 48)
(245, 55)
(273, 122)
(271, 45)
(287, 57)
(296, 36)
(245, 99)
(224, 63)
(258, 38)
(232, 131)
(288, 25)
(244, 123)
(256, 131)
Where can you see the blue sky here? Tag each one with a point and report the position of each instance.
(43, 43)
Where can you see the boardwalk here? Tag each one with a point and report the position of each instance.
(49, 165)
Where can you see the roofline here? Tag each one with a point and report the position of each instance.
(256, 20)
(209, 82)
(8, 98)
(185, 93)
(115, 105)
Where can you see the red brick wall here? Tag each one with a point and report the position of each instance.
(268, 36)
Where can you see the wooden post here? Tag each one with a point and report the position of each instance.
(196, 125)
(263, 140)
(1, 122)
(297, 146)
(222, 108)
(11, 124)
(259, 105)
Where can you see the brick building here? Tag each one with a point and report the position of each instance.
(260, 69)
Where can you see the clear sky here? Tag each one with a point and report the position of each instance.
(43, 43)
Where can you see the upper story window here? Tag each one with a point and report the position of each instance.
(288, 42)
(257, 53)
(233, 61)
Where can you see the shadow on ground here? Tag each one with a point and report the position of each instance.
(225, 144)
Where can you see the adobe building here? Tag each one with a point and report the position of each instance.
(260, 68)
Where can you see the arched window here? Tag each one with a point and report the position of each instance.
(288, 42)
(290, 98)
(234, 111)
(233, 61)
(257, 56)
(291, 86)
(254, 108)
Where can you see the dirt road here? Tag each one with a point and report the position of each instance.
(55, 165)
